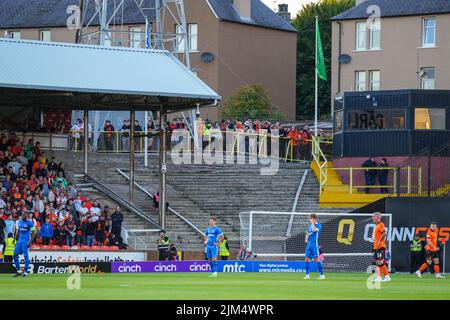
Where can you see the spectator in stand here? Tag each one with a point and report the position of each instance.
(60, 233)
(108, 135)
(125, 135)
(52, 166)
(294, 136)
(95, 211)
(46, 231)
(369, 174)
(90, 232)
(100, 234)
(2, 228)
(41, 171)
(383, 175)
(9, 223)
(22, 159)
(70, 228)
(116, 222)
(305, 144)
(156, 200)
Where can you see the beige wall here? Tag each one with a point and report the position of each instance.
(400, 57)
(251, 55)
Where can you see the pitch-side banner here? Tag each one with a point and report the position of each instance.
(60, 268)
(203, 266)
(85, 256)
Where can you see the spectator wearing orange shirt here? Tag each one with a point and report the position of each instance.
(295, 137)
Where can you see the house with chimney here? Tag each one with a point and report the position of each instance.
(231, 42)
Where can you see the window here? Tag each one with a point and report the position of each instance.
(338, 121)
(378, 119)
(108, 39)
(179, 38)
(135, 37)
(193, 29)
(45, 35)
(192, 37)
(360, 82)
(361, 42)
(374, 80)
(429, 32)
(427, 76)
(14, 34)
(375, 31)
(429, 119)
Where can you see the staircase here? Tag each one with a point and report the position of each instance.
(336, 194)
(198, 192)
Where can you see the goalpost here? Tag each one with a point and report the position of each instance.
(346, 239)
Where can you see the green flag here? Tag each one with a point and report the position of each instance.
(321, 72)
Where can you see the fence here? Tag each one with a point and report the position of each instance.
(432, 169)
(233, 142)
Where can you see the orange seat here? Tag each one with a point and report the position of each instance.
(45, 247)
(85, 248)
(96, 248)
(65, 247)
(55, 247)
(105, 248)
(35, 247)
(114, 248)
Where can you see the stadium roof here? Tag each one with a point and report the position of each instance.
(396, 8)
(52, 13)
(57, 75)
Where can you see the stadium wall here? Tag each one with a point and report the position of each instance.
(410, 216)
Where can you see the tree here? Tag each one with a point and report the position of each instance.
(304, 22)
(250, 101)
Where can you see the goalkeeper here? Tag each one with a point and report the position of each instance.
(312, 246)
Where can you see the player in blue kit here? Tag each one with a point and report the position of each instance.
(312, 247)
(25, 233)
(213, 239)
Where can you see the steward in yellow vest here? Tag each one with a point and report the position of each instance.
(9, 248)
(224, 249)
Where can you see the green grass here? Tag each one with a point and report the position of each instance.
(230, 285)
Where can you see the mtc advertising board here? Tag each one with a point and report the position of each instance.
(203, 266)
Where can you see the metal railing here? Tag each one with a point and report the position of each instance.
(232, 142)
(435, 171)
(412, 185)
(122, 202)
(321, 161)
(141, 188)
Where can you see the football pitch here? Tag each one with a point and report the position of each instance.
(227, 286)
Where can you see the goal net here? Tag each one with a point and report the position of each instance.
(346, 239)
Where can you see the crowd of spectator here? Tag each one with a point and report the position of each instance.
(62, 216)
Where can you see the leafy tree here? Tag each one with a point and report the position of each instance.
(304, 22)
(250, 101)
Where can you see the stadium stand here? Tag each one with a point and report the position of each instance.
(64, 218)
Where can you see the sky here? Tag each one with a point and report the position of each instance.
(294, 5)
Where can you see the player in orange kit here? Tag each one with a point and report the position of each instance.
(379, 248)
(432, 251)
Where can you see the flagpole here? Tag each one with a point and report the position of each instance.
(316, 107)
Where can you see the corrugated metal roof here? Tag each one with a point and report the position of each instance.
(76, 68)
(396, 8)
